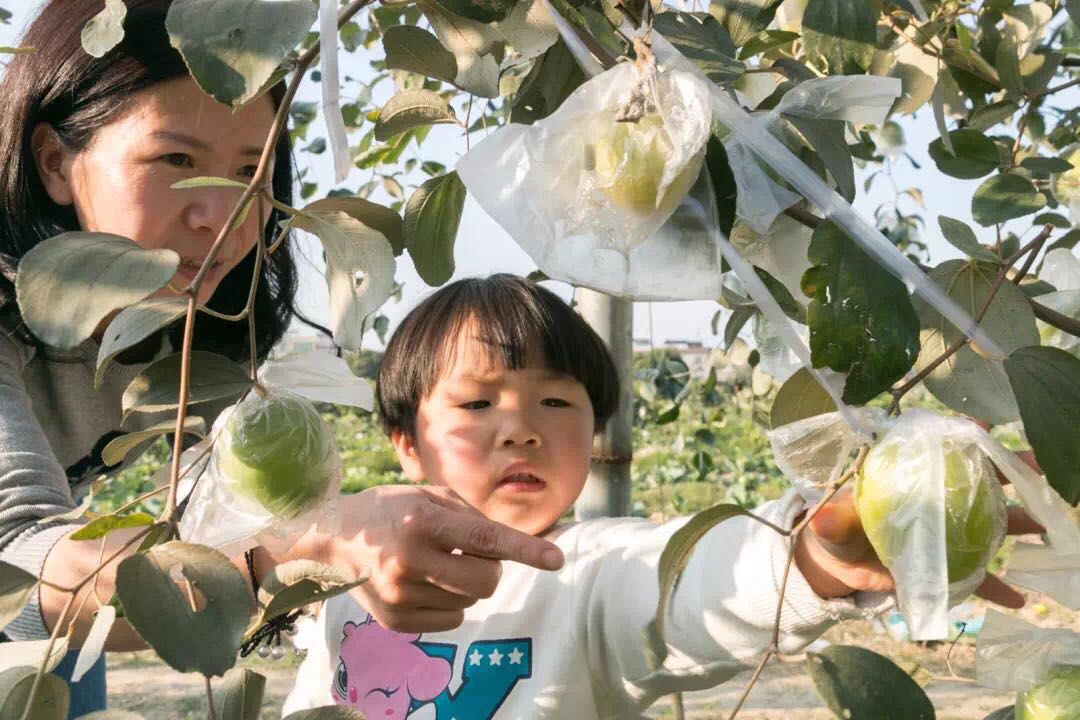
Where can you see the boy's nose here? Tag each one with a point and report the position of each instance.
(521, 434)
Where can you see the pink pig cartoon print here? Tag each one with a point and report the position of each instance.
(381, 672)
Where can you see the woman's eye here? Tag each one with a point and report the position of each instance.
(554, 402)
(178, 160)
(476, 405)
(249, 171)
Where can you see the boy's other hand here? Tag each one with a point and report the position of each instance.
(408, 538)
(837, 559)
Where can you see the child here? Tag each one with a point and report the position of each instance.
(493, 388)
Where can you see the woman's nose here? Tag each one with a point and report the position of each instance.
(210, 208)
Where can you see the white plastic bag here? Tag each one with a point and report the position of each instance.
(926, 492)
(1014, 655)
(274, 471)
(585, 195)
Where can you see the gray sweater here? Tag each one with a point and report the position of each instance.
(53, 427)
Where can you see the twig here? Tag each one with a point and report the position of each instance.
(211, 713)
(804, 216)
(1053, 317)
(793, 539)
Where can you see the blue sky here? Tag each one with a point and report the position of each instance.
(483, 247)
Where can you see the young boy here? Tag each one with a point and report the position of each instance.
(494, 388)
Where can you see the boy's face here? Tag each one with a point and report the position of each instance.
(514, 444)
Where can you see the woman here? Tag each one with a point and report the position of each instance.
(96, 145)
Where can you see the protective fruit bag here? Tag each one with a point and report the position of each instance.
(1042, 665)
(273, 472)
(585, 190)
(932, 507)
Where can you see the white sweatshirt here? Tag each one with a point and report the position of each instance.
(569, 644)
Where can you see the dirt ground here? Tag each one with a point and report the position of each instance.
(141, 683)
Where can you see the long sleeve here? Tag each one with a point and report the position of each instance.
(33, 486)
(720, 617)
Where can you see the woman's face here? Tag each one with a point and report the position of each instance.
(121, 183)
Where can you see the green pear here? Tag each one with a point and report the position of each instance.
(974, 503)
(1057, 698)
(275, 451)
(628, 159)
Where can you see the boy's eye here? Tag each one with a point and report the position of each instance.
(178, 160)
(554, 402)
(476, 405)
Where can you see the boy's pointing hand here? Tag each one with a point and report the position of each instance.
(430, 555)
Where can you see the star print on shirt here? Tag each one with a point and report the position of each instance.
(486, 681)
(515, 656)
(476, 657)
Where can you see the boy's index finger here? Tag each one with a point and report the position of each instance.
(479, 536)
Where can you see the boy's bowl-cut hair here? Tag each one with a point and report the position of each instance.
(521, 320)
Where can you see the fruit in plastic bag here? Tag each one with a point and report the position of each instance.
(629, 159)
(275, 450)
(1057, 698)
(974, 503)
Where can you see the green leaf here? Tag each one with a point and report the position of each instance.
(105, 30)
(411, 109)
(359, 267)
(133, 325)
(204, 641)
(787, 302)
(1046, 383)
(826, 138)
(205, 181)
(102, 526)
(1056, 219)
(739, 317)
(974, 156)
(377, 217)
(843, 32)
(329, 712)
(474, 46)
(970, 382)
(723, 182)
(69, 283)
(416, 50)
(554, 76)
(51, 700)
(240, 695)
(861, 318)
(1046, 166)
(673, 561)
(233, 47)
(800, 397)
(484, 11)
(294, 584)
(1004, 197)
(971, 63)
(857, 683)
(987, 116)
(766, 41)
(432, 216)
(962, 237)
(158, 387)
(16, 589)
(704, 42)
(1008, 66)
(743, 19)
(670, 415)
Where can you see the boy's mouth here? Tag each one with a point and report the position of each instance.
(522, 481)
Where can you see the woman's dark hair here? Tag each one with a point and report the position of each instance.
(519, 323)
(77, 94)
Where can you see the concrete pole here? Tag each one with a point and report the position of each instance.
(607, 492)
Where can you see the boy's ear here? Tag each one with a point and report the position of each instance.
(407, 455)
